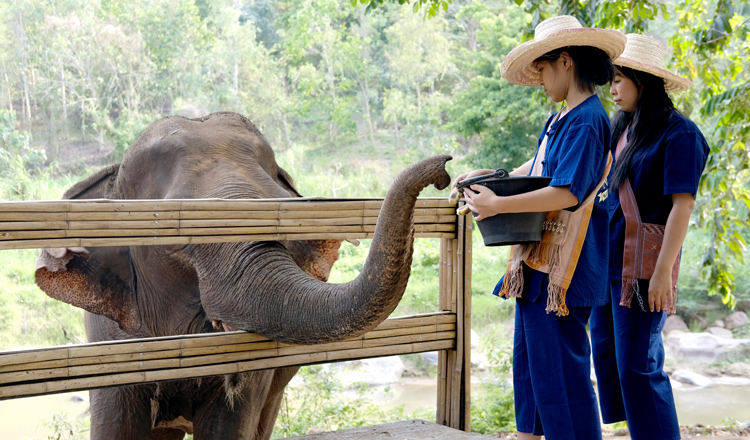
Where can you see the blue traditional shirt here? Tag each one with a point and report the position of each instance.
(576, 155)
(672, 164)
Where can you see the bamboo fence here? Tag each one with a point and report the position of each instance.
(71, 223)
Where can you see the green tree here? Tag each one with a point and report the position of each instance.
(315, 35)
(505, 120)
(173, 35)
(711, 47)
(421, 68)
(431, 7)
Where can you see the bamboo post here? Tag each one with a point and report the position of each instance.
(446, 359)
(463, 323)
(443, 301)
(454, 366)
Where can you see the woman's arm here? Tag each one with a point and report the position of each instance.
(483, 202)
(523, 170)
(660, 292)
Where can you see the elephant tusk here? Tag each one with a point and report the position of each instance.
(216, 324)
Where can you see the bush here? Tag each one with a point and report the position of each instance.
(64, 429)
(319, 403)
(493, 410)
(14, 146)
(17, 158)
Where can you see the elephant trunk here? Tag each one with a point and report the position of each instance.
(273, 297)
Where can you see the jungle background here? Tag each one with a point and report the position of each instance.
(348, 93)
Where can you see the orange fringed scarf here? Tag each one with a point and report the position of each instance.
(558, 251)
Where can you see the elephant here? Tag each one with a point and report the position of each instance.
(274, 288)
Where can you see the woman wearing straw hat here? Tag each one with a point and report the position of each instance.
(660, 155)
(551, 367)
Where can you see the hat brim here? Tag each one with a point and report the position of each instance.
(672, 83)
(518, 68)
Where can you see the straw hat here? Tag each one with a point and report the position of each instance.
(554, 33)
(644, 53)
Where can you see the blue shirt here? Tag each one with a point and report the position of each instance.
(577, 148)
(672, 164)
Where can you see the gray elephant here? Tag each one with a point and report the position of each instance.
(276, 289)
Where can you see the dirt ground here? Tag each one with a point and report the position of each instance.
(688, 433)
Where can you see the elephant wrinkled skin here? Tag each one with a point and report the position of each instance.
(276, 289)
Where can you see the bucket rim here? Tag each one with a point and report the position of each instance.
(494, 177)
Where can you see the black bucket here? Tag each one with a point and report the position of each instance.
(516, 228)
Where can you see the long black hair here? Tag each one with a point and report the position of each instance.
(652, 112)
(593, 67)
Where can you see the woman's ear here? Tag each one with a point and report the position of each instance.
(566, 60)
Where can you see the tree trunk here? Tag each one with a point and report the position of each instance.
(64, 101)
(366, 102)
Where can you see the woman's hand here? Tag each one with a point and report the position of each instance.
(661, 293)
(482, 201)
(471, 174)
(660, 288)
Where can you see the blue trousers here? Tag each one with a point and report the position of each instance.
(552, 372)
(629, 360)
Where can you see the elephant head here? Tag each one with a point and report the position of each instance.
(276, 289)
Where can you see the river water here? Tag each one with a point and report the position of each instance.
(707, 406)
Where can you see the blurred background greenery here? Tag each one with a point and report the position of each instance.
(347, 98)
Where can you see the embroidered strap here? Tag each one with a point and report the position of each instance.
(643, 242)
(557, 253)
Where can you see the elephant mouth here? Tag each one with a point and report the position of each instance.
(223, 326)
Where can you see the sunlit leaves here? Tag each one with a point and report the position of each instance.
(431, 8)
(711, 42)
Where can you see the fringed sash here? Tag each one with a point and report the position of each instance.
(557, 253)
(642, 246)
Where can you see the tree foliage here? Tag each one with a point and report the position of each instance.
(431, 8)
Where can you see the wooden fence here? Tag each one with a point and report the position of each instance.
(91, 223)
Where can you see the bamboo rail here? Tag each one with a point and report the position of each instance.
(85, 223)
(33, 372)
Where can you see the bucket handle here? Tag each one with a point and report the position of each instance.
(500, 173)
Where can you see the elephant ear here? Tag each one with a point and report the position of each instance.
(89, 280)
(100, 185)
(287, 180)
(99, 280)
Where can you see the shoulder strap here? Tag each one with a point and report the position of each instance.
(628, 203)
(590, 198)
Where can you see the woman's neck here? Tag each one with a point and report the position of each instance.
(576, 97)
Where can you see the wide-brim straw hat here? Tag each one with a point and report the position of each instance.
(644, 53)
(554, 33)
